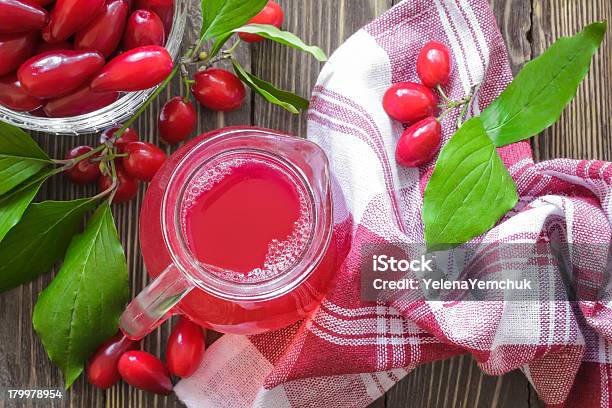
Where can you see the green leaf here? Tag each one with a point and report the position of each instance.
(20, 157)
(222, 16)
(540, 92)
(15, 203)
(218, 44)
(469, 190)
(81, 307)
(284, 37)
(39, 240)
(288, 100)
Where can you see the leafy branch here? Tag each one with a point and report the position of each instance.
(221, 19)
(470, 189)
(81, 307)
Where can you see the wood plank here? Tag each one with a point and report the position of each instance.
(322, 22)
(585, 128)
(584, 132)
(458, 382)
(26, 364)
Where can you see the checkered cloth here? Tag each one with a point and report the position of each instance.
(351, 351)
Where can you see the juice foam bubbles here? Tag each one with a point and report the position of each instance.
(248, 219)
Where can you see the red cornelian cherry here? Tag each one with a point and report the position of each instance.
(46, 47)
(128, 136)
(134, 70)
(13, 96)
(218, 89)
(144, 27)
(127, 187)
(147, 4)
(70, 16)
(271, 14)
(42, 3)
(177, 120)
(58, 73)
(85, 171)
(185, 348)
(102, 369)
(409, 102)
(15, 49)
(163, 8)
(434, 64)
(145, 371)
(104, 32)
(143, 160)
(18, 16)
(419, 143)
(79, 102)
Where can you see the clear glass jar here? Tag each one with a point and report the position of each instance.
(110, 115)
(183, 285)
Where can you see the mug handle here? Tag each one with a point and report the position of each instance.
(150, 308)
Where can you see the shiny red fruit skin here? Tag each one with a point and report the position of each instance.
(163, 8)
(70, 16)
(434, 64)
(104, 32)
(145, 371)
(18, 16)
(128, 136)
(14, 97)
(271, 14)
(42, 3)
(127, 189)
(85, 171)
(58, 73)
(102, 370)
(15, 49)
(144, 27)
(148, 4)
(177, 120)
(218, 89)
(80, 102)
(409, 102)
(134, 70)
(419, 143)
(46, 47)
(185, 348)
(143, 160)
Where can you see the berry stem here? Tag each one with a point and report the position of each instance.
(179, 67)
(115, 184)
(231, 49)
(443, 94)
(109, 157)
(187, 83)
(146, 104)
(444, 113)
(462, 114)
(68, 164)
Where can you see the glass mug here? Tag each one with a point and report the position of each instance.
(211, 295)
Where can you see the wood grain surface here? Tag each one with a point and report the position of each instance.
(528, 26)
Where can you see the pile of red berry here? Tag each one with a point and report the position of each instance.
(76, 56)
(119, 358)
(135, 161)
(416, 105)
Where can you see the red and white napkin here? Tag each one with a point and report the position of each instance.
(351, 352)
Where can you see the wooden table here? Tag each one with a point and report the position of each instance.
(528, 26)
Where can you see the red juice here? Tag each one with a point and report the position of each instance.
(246, 218)
(252, 208)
